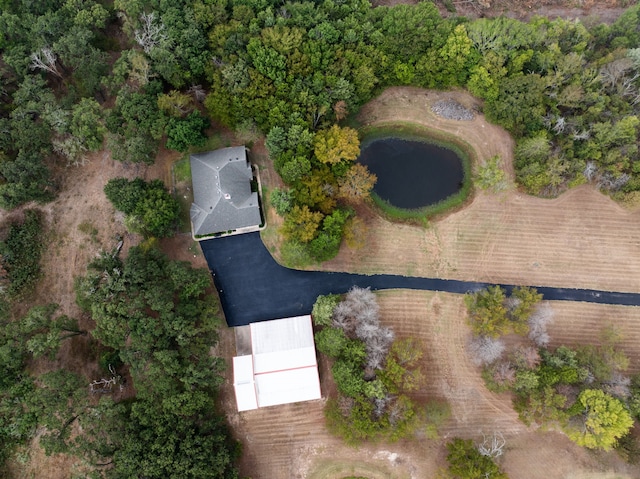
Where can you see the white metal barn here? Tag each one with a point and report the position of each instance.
(282, 367)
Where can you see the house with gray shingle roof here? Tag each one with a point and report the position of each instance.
(222, 196)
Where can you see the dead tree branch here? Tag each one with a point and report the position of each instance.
(45, 59)
(492, 446)
(150, 35)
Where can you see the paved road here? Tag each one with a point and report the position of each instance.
(253, 287)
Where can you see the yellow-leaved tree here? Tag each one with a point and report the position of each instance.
(336, 144)
(603, 420)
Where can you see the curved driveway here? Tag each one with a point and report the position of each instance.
(254, 287)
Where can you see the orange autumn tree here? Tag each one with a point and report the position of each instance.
(356, 183)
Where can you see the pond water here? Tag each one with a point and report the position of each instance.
(412, 174)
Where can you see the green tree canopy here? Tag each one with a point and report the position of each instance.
(465, 462)
(157, 315)
(602, 420)
(178, 438)
(21, 251)
(149, 203)
(492, 313)
(323, 309)
(183, 133)
(487, 312)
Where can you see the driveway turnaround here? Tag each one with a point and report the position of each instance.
(254, 287)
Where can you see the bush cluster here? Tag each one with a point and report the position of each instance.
(373, 373)
(21, 252)
(149, 207)
(583, 390)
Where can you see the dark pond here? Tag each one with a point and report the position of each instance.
(412, 174)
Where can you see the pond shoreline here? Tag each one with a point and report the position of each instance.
(420, 133)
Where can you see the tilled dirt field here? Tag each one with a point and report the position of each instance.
(582, 239)
(292, 442)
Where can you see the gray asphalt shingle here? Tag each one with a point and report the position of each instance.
(222, 196)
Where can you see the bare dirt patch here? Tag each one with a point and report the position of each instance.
(596, 11)
(79, 224)
(589, 11)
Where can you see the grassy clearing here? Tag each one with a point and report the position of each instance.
(185, 198)
(89, 229)
(346, 469)
(182, 170)
(215, 141)
(294, 255)
(183, 191)
(413, 132)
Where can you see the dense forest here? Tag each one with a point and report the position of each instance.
(78, 73)
(77, 76)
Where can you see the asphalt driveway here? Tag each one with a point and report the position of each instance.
(253, 287)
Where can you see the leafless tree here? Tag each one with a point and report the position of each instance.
(57, 117)
(511, 303)
(343, 318)
(217, 62)
(569, 391)
(377, 347)
(560, 125)
(72, 149)
(345, 404)
(105, 385)
(527, 357)
(45, 59)
(612, 72)
(610, 182)
(284, 13)
(541, 317)
(618, 385)
(485, 350)
(380, 406)
(581, 135)
(140, 72)
(359, 306)
(198, 93)
(493, 445)
(150, 34)
(548, 120)
(590, 170)
(627, 87)
(362, 299)
(368, 316)
(366, 330)
(504, 374)
(634, 55)
(358, 316)
(483, 38)
(397, 412)
(318, 113)
(590, 378)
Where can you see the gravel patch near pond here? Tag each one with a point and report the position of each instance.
(452, 110)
